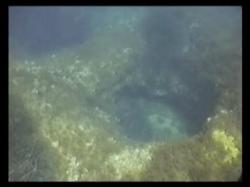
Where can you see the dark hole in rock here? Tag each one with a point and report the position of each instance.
(146, 115)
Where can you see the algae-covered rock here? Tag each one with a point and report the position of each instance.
(140, 99)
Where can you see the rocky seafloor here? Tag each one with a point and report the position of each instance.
(130, 104)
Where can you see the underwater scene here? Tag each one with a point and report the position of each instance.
(125, 93)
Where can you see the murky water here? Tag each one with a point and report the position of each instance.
(125, 93)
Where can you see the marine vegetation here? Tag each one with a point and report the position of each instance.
(150, 94)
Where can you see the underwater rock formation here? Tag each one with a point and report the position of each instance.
(128, 104)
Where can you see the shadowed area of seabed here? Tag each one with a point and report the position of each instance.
(145, 115)
(144, 120)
